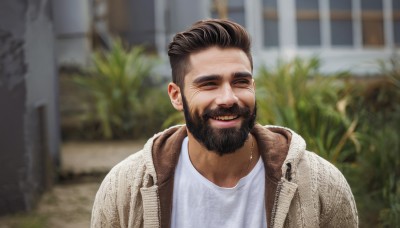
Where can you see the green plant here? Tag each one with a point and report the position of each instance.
(26, 220)
(376, 104)
(156, 108)
(298, 96)
(116, 85)
(173, 119)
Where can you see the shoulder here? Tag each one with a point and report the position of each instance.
(325, 169)
(336, 200)
(126, 174)
(126, 169)
(115, 192)
(323, 191)
(322, 174)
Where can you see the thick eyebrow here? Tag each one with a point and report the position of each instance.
(215, 77)
(237, 75)
(206, 78)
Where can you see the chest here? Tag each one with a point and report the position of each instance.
(197, 202)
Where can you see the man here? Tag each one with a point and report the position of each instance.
(221, 169)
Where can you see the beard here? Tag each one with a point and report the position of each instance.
(221, 141)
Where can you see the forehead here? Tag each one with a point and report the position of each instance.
(218, 61)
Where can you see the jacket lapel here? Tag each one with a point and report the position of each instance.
(273, 145)
(284, 195)
(150, 201)
(166, 150)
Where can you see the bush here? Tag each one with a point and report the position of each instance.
(123, 94)
(298, 96)
(376, 178)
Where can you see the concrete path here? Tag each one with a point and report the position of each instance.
(95, 157)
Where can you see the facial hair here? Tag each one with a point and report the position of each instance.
(221, 141)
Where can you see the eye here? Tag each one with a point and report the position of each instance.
(208, 85)
(242, 82)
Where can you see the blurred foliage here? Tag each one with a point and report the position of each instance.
(124, 94)
(296, 95)
(25, 220)
(174, 119)
(352, 122)
(376, 178)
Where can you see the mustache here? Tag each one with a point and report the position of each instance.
(234, 110)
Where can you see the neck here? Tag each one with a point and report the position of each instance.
(226, 170)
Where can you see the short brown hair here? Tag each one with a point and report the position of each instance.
(201, 35)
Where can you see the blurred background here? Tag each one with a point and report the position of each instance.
(83, 85)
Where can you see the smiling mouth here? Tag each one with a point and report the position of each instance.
(225, 118)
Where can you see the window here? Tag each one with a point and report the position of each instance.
(270, 22)
(372, 23)
(308, 23)
(341, 22)
(232, 9)
(396, 22)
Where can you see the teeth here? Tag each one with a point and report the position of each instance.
(225, 117)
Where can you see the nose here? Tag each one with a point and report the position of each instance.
(226, 97)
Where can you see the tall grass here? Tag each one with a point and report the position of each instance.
(377, 175)
(123, 92)
(296, 95)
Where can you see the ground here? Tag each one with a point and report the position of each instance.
(69, 203)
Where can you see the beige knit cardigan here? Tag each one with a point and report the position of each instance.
(315, 195)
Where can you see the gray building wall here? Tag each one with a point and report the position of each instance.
(154, 22)
(29, 132)
(72, 27)
(142, 23)
(183, 13)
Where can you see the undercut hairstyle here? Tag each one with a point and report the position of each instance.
(202, 35)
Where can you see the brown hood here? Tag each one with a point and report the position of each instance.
(273, 144)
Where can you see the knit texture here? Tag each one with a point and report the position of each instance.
(316, 196)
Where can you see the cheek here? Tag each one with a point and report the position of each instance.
(194, 94)
(246, 95)
(251, 90)
(199, 101)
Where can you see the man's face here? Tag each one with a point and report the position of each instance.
(219, 99)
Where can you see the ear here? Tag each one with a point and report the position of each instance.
(174, 93)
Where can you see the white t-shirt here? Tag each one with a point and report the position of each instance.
(197, 202)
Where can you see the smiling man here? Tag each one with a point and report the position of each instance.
(221, 169)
